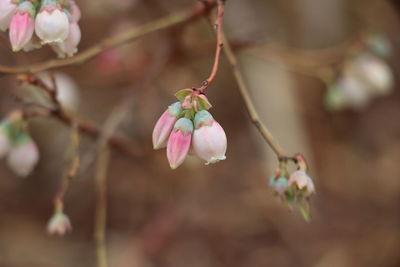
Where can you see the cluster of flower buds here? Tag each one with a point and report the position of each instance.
(33, 23)
(296, 188)
(17, 145)
(364, 77)
(187, 125)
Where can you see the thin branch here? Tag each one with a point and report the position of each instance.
(117, 40)
(69, 118)
(111, 124)
(70, 172)
(244, 91)
(218, 27)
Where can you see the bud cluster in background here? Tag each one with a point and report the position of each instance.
(364, 76)
(296, 188)
(187, 125)
(33, 23)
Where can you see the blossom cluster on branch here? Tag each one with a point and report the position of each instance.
(187, 125)
(33, 23)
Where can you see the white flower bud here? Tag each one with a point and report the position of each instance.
(51, 24)
(59, 224)
(209, 139)
(23, 156)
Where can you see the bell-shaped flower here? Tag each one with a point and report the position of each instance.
(22, 26)
(302, 181)
(179, 142)
(376, 73)
(164, 125)
(7, 10)
(209, 139)
(69, 47)
(59, 224)
(23, 156)
(51, 24)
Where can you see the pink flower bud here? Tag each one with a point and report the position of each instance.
(5, 143)
(69, 47)
(59, 224)
(179, 142)
(209, 139)
(7, 10)
(22, 26)
(302, 180)
(23, 156)
(51, 24)
(164, 125)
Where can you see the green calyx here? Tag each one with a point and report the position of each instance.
(185, 125)
(28, 7)
(203, 118)
(175, 109)
(15, 131)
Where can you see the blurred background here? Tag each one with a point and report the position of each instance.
(323, 76)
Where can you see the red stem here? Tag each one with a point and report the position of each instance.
(218, 26)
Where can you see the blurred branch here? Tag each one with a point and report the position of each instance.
(111, 124)
(117, 40)
(69, 118)
(100, 222)
(244, 91)
(70, 172)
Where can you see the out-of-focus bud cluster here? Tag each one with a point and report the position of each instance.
(364, 77)
(187, 125)
(17, 145)
(296, 188)
(33, 23)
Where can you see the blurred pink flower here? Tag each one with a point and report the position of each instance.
(302, 180)
(22, 26)
(7, 10)
(68, 47)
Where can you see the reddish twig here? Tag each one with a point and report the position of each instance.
(218, 27)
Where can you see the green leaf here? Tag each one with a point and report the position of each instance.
(203, 103)
(181, 94)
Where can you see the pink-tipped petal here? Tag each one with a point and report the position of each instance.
(22, 26)
(164, 125)
(179, 142)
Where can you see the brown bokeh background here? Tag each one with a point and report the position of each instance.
(224, 214)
